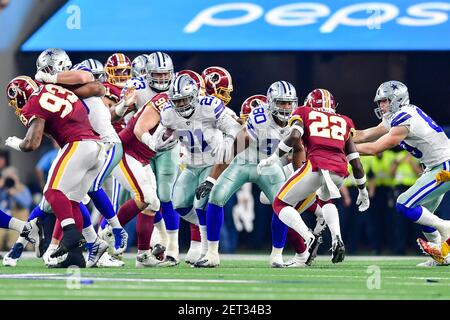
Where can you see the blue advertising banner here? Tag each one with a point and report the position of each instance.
(221, 25)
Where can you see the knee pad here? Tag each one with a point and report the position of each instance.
(410, 213)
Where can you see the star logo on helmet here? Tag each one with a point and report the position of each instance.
(394, 86)
(50, 53)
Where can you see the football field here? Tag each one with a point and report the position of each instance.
(240, 277)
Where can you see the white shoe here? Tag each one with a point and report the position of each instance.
(276, 261)
(194, 252)
(146, 259)
(107, 235)
(169, 261)
(429, 263)
(298, 261)
(34, 233)
(11, 258)
(96, 250)
(208, 261)
(107, 261)
(52, 262)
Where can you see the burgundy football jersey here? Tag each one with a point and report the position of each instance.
(113, 93)
(131, 144)
(326, 133)
(65, 115)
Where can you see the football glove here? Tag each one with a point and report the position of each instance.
(443, 176)
(204, 188)
(363, 201)
(266, 163)
(13, 142)
(223, 153)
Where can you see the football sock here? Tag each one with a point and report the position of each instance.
(195, 233)
(86, 216)
(102, 203)
(144, 229)
(127, 212)
(331, 215)
(171, 218)
(61, 206)
(214, 221)
(296, 241)
(279, 232)
(4, 220)
(291, 218)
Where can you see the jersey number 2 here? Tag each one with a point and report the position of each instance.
(51, 102)
(325, 126)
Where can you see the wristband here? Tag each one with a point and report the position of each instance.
(352, 156)
(284, 147)
(297, 127)
(361, 181)
(212, 180)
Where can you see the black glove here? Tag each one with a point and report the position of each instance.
(203, 189)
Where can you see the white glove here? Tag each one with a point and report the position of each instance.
(46, 77)
(13, 142)
(163, 144)
(243, 212)
(266, 163)
(149, 140)
(363, 201)
(223, 153)
(130, 97)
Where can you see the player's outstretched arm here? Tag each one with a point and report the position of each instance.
(387, 141)
(70, 77)
(91, 89)
(126, 104)
(363, 201)
(32, 139)
(370, 134)
(148, 120)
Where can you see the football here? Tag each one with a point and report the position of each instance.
(167, 134)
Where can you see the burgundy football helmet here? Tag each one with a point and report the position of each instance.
(218, 83)
(118, 69)
(250, 103)
(18, 92)
(320, 98)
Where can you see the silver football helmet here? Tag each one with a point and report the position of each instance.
(279, 92)
(183, 95)
(53, 61)
(96, 68)
(397, 94)
(139, 66)
(159, 71)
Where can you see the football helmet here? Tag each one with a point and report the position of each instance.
(218, 83)
(118, 69)
(96, 68)
(53, 61)
(19, 90)
(139, 66)
(397, 94)
(282, 92)
(160, 71)
(197, 78)
(183, 95)
(250, 103)
(320, 98)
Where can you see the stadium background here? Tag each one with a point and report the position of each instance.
(352, 76)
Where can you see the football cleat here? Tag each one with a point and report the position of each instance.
(120, 240)
(95, 251)
(194, 252)
(337, 250)
(52, 262)
(313, 246)
(11, 258)
(34, 233)
(71, 239)
(74, 258)
(158, 251)
(439, 253)
(298, 261)
(208, 261)
(107, 261)
(320, 226)
(146, 259)
(169, 261)
(430, 263)
(276, 261)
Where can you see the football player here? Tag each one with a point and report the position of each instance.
(200, 123)
(326, 136)
(264, 129)
(405, 124)
(58, 112)
(139, 66)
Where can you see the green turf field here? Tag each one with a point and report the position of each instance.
(236, 278)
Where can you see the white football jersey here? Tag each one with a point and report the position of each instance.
(143, 92)
(100, 119)
(265, 135)
(426, 140)
(202, 131)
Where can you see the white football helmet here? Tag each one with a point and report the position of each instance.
(397, 94)
(183, 95)
(282, 91)
(96, 68)
(53, 61)
(159, 71)
(139, 66)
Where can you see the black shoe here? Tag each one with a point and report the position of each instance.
(71, 239)
(74, 258)
(313, 248)
(338, 251)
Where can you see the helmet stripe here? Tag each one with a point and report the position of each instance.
(159, 59)
(284, 86)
